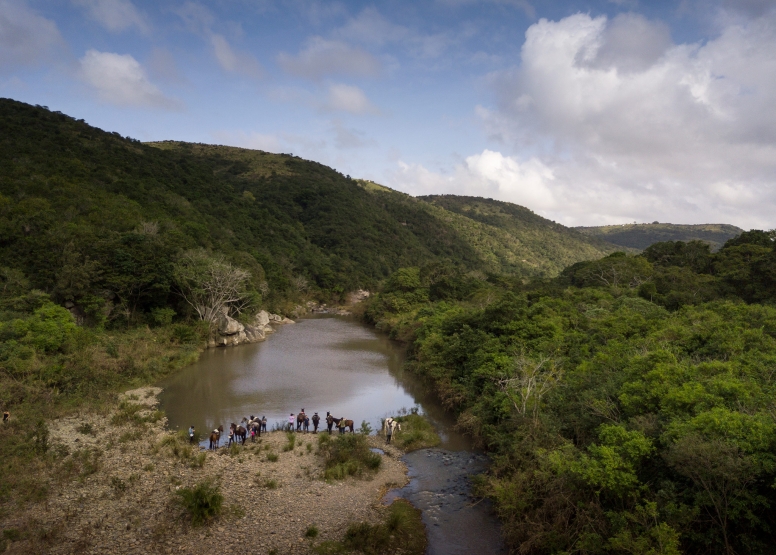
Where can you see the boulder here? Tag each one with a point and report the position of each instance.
(261, 319)
(229, 326)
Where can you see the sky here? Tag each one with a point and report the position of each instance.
(588, 112)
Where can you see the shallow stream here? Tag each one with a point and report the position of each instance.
(336, 364)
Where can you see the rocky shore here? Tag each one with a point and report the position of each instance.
(114, 491)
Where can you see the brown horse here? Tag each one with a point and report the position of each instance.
(215, 437)
(300, 420)
(239, 432)
(342, 424)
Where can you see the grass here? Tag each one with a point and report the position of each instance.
(201, 503)
(416, 433)
(347, 455)
(402, 531)
(291, 437)
(271, 484)
(272, 457)
(311, 532)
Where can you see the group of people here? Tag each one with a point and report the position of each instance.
(255, 426)
(303, 422)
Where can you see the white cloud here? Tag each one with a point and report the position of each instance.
(488, 174)
(26, 38)
(635, 127)
(233, 61)
(322, 58)
(120, 79)
(346, 98)
(115, 15)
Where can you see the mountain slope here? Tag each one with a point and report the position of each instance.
(640, 236)
(88, 215)
(517, 236)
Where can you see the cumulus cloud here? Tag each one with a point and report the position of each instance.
(633, 126)
(119, 79)
(115, 15)
(26, 38)
(488, 174)
(347, 98)
(322, 58)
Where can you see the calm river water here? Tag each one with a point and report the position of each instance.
(335, 364)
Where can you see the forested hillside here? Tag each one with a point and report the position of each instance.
(96, 219)
(640, 236)
(628, 404)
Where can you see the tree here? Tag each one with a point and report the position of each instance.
(211, 285)
(527, 381)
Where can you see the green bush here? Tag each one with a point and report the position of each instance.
(201, 503)
(347, 455)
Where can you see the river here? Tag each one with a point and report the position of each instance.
(336, 364)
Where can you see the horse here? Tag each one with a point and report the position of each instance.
(300, 420)
(215, 437)
(389, 428)
(239, 432)
(342, 424)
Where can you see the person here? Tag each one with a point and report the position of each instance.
(388, 430)
(291, 422)
(316, 420)
(329, 421)
(306, 424)
(263, 423)
(231, 435)
(341, 425)
(191, 434)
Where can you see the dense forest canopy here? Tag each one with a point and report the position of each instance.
(96, 219)
(629, 404)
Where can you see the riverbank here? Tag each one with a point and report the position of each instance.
(113, 490)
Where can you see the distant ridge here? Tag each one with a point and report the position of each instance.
(640, 236)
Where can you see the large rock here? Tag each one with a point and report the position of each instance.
(229, 326)
(261, 319)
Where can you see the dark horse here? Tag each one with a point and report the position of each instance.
(215, 437)
(340, 422)
(300, 420)
(239, 432)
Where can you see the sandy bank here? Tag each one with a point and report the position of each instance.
(114, 488)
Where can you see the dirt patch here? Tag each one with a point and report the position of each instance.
(114, 490)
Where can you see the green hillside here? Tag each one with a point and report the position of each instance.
(96, 219)
(640, 236)
(517, 236)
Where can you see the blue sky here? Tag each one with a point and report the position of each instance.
(587, 112)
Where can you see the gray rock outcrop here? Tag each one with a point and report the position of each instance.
(229, 332)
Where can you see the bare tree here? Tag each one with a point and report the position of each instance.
(527, 381)
(211, 285)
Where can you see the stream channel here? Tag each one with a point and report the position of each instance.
(336, 364)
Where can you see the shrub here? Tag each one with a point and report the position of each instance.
(347, 455)
(402, 531)
(311, 532)
(272, 457)
(201, 503)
